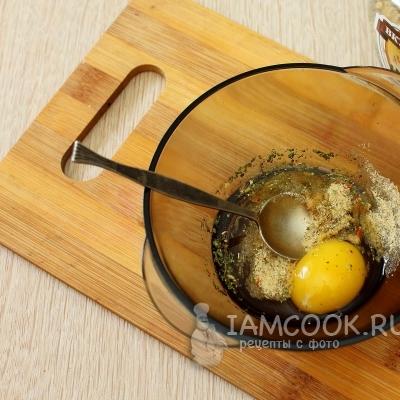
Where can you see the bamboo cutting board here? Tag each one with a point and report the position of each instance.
(90, 234)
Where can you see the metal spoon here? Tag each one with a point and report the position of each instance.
(282, 221)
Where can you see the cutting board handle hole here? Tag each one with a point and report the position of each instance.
(121, 115)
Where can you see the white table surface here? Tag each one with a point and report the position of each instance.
(54, 342)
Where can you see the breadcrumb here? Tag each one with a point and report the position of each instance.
(330, 216)
(381, 224)
(270, 276)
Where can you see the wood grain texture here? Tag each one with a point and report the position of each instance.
(56, 343)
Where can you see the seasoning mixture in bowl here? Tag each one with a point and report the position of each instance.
(351, 240)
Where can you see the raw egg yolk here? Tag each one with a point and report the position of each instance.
(328, 277)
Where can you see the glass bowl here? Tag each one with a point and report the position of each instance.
(215, 144)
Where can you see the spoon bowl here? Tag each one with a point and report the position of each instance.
(283, 221)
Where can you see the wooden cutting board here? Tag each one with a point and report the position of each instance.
(90, 234)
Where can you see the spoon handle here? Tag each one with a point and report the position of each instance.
(159, 183)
